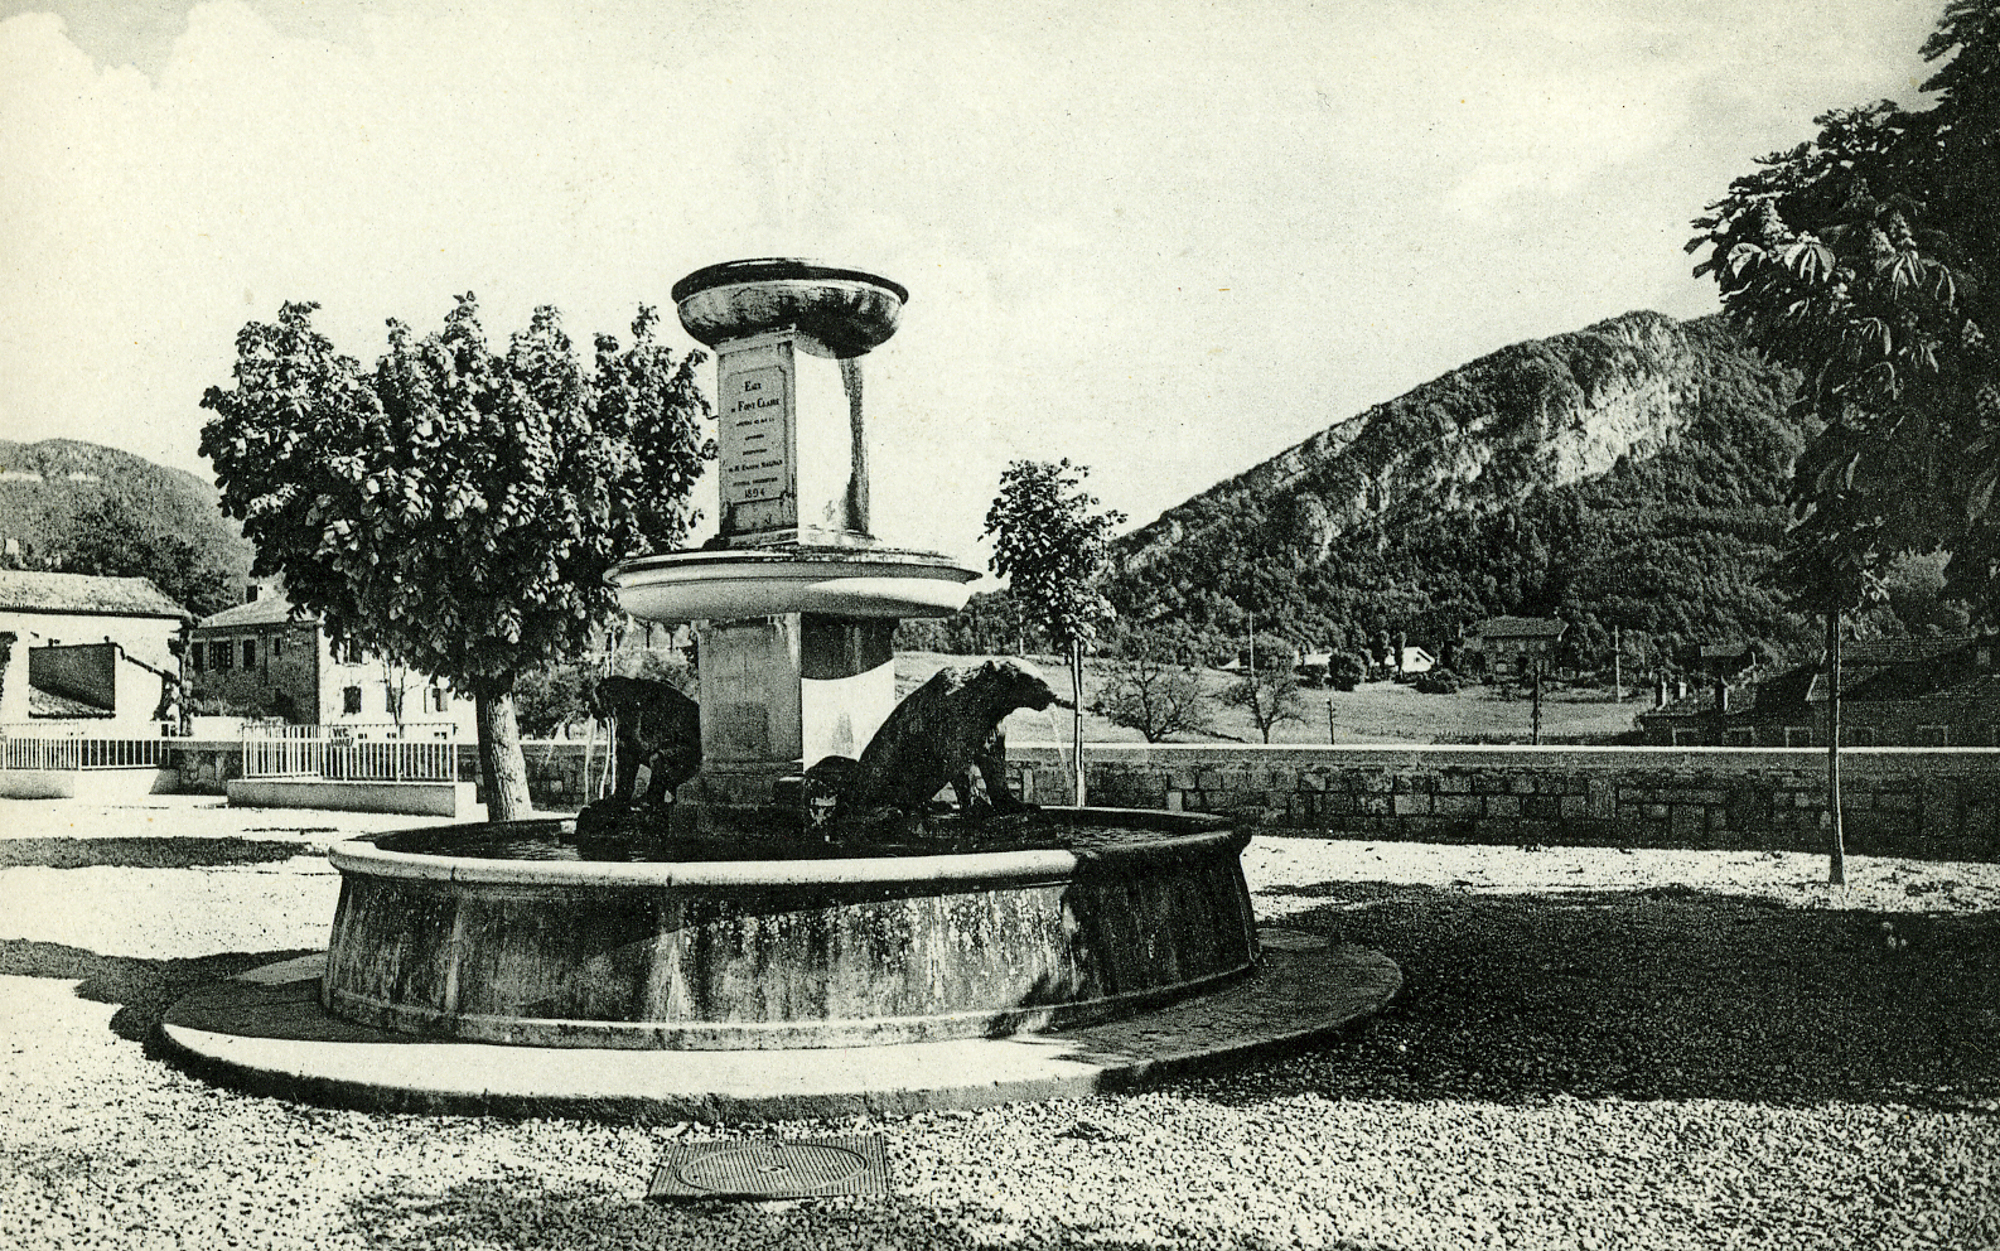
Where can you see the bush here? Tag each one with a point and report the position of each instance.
(1346, 672)
(1437, 682)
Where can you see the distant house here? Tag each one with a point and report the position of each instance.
(1417, 660)
(79, 647)
(1509, 646)
(1909, 692)
(261, 658)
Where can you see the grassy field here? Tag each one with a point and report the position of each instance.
(1375, 712)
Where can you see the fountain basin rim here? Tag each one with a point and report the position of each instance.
(1025, 867)
(746, 582)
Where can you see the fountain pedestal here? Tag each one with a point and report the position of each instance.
(794, 606)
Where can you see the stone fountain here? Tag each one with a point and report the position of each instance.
(737, 931)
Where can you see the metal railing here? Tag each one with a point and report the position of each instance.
(74, 748)
(352, 753)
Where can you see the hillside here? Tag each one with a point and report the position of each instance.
(1630, 474)
(86, 508)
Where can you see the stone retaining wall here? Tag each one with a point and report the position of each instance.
(1936, 803)
(1939, 803)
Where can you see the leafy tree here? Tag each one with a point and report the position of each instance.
(1869, 260)
(456, 509)
(1051, 544)
(1153, 684)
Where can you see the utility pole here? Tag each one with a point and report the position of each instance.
(1617, 665)
(1329, 722)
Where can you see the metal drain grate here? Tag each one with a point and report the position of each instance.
(772, 1168)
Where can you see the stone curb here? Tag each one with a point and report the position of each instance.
(264, 1032)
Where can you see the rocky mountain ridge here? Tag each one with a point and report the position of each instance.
(1532, 416)
(1632, 471)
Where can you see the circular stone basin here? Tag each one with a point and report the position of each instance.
(1114, 913)
(860, 582)
(848, 310)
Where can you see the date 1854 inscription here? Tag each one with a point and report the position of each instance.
(757, 490)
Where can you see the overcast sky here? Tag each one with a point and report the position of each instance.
(1165, 240)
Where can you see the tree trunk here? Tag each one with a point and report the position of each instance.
(1836, 849)
(1535, 716)
(1076, 714)
(503, 770)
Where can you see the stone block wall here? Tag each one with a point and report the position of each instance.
(205, 766)
(1938, 804)
(1941, 803)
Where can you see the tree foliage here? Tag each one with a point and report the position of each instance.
(1868, 260)
(108, 536)
(456, 509)
(1051, 542)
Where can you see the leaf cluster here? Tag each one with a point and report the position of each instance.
(1868, 260)
(456, 508)
(1051, 542)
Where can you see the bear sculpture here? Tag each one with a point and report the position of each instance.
(946, 732)
(658, 727)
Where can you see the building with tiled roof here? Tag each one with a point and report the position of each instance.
(1509, 646)
(44, 594)
(263, 658)
(76, 646)
(1903, 692)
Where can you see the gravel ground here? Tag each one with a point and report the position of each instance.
(1593, 1049)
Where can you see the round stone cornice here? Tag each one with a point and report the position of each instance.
(849, 310)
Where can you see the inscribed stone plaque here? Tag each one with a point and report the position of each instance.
(757, 476)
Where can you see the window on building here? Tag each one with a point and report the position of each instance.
(1933, 736)
(224, 654)
(194, 657)
(1798, 736)
(435, 699)
(347, 652)
(1857, 736)
(249, 653)
(1740, 736)
(277, 646)
(350, 700)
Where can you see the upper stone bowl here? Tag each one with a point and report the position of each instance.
(846, 309)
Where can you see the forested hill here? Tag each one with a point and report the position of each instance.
(1629, 474)
(87, 508)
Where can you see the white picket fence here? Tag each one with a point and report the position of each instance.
(352, 752)
(73, 747)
